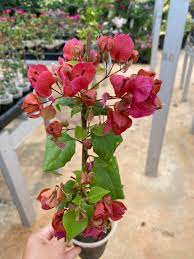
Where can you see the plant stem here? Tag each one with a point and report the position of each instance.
(84, 125)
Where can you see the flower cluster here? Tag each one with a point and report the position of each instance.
(88, 202)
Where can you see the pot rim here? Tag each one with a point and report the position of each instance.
(98, 243)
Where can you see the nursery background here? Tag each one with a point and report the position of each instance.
(159, 221)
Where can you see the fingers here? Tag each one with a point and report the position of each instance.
(47, 232)
(72, 253)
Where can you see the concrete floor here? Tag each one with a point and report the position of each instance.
(159, 223)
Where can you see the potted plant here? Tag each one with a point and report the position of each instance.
(88, 204)
(6, 99)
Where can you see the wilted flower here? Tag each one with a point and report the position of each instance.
(118, 210)
(57, 224)
(47, 199)
(118, 122)
(54, 128)
(48, 112)
(32, 106)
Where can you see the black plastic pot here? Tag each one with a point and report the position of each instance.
(93, 253)
(6, 103)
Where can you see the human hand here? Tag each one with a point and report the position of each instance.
(43, 245)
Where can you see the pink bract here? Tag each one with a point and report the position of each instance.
(118, 122)
(44, 82)
(73, 49)
(122, 48)
(105, 43)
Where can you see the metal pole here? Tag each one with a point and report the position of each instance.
(173, 40)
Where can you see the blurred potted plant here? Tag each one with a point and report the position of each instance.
(87, 205)
(6, 99)
(9, 69)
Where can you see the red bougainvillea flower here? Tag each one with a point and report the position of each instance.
(104, 210)
(64, 71)
(140, 87)
(138, 93)
(78, 79)
(109, 208)
(144, 89)
(85, 69)
(54, 128)
(120, 84)
(105, 98)
(105, 43)
(123, 105)
(96, 233)
(118, 209)
(34, 71)
(44, 83)
(73, 49)
(89, 97)
(122, 48)
(94, 57)
(41, 79)
(57, 224)
(32, 106)
(47, 199)
(145, 108)
(118, 122)
(71, 88)
(101, 212)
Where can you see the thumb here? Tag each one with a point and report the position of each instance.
(71, 254)
(47, 232)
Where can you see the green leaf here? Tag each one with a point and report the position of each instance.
(97, 129)
(58, 107)
(65, 202)
(81, 203)
(80, 133)
(56, 157)
(72, 226)
(78, 174)
(77, 201)
(76, 109)
(99, 110)
(66, 102)
(72, 62)
(107, 176)
(96, 194)
(105, 146)
(68, 186)
(88, 208)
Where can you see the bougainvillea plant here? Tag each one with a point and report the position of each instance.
(87, 203)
